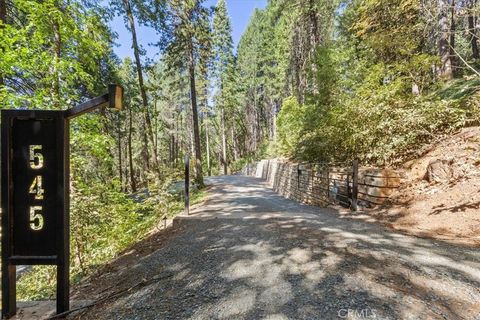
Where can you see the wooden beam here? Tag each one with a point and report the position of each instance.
(113, 98)
(87, 106)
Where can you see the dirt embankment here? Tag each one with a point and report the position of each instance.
(440, 197)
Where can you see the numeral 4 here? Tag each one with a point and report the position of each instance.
(36, 219)
(36, 188)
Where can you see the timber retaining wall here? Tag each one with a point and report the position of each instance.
(323, 185)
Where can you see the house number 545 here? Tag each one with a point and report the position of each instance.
(36, 188)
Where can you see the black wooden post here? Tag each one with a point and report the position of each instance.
(298, 176)
(63, 241)
(355, 185)
(328, 183)
(9, 303)
(187, 185)
(349, 190)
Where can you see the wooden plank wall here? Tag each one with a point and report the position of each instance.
(375, 186)
(323, 185)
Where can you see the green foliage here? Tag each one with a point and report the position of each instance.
(187, 36)
(381, 129)
(103, 223)
(391, 28)
(458, 89)
(223, 69)
(51, 52)
(241, 163)
(290, 122)
(222, 40)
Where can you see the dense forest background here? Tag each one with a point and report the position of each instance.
(315, 80)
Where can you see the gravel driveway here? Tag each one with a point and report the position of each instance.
(247, 253)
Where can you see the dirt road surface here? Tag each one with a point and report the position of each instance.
(247, 253)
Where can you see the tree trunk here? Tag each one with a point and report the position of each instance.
(472, 30)
(171, 141)
(255, 129)
(196, 131)
(255, 112)
(148, 135)
(191, 138)
(133, 183)
(224, 143)
(444, 39)
(275, 121)
(177, 143)
(155, 135)
(207, 140)
(234, 142)
(453, 56)
(174, 143)
(3, 19)
(119, 145)
(206, 120)
(57, 48)
(314, 34)
(314, 41)
(272, 119)
(177, 138)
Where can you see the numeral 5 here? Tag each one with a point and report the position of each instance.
(36, 219)
(36, 158)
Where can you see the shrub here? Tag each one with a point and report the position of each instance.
(290, 123)
(385, 126)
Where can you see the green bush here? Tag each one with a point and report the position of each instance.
(290, 122)
(381, 125)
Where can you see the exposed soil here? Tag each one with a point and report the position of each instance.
(447, 209)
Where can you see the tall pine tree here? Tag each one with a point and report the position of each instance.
(186, 38)
(223, 68)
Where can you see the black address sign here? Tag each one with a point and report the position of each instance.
(35, 177)
(36, 197)
(35, 192)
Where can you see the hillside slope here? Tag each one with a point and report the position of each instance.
(441, 195)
